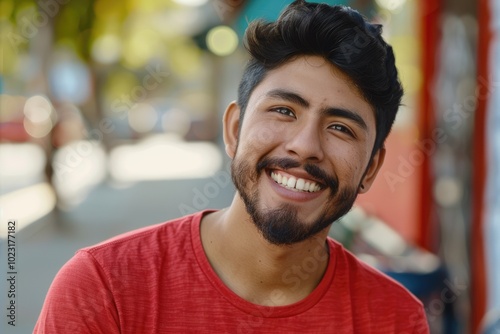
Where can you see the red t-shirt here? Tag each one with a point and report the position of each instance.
(158, 280)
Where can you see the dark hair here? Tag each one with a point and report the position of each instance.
(340, 35)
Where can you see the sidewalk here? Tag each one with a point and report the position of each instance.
(44, 246)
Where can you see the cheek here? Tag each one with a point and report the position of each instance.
(350, 164)
(262, 133)
(361, 165)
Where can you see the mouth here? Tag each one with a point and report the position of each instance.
(295, 183)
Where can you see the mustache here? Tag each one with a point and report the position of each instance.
(312, 169)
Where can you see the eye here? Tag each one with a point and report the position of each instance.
(284, 111)
(341, 128)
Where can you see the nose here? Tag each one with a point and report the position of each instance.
(305, 142)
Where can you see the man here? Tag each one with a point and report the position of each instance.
(316, 102)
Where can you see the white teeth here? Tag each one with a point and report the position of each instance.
(306, 186)
(294, 183)
(300, 184)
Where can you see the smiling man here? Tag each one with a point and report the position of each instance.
(315, 105)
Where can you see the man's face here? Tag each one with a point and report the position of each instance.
(303, 149)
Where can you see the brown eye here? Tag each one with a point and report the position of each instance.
(341, 128)
(283, 111)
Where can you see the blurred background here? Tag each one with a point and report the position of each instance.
(110, 120)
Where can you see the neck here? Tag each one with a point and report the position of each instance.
(255, 269)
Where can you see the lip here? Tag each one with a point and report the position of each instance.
(293, 195)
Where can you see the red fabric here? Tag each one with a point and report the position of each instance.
(158, 280)
(478, 295)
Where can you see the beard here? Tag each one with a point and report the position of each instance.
(282, 225)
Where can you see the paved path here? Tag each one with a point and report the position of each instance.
(44, 246)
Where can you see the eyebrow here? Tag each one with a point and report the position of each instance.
(288, 96)
(329, 111)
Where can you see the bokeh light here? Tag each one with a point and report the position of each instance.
(177, 121)
(142, 117)
(185, 59)
(140, 46)
(222, 40)
(447, 191)
(39, 116)
(391, 5)
(70, 80)
(152, 159)
(106, 49)
(191, 2)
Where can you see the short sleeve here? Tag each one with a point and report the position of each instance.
(79, 300)
(421, 324)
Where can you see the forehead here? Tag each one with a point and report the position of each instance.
(317, 81)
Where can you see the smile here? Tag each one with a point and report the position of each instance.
(293, 183)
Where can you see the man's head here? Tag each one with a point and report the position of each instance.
(340, 35)
(315, 105)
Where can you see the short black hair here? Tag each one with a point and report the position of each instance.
(339, 34)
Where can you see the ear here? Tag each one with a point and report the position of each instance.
(231, 124)
(375, 164)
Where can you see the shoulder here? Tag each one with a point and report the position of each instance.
(145, 242)
(366, 280)
(116, 276)
(387, 302)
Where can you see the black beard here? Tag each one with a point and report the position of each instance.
(281, 226)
